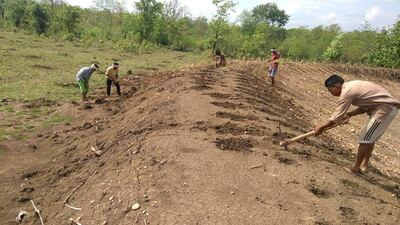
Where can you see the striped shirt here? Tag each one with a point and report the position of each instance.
(84, 74)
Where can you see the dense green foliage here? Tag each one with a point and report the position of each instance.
(169, 25)
(387, 52)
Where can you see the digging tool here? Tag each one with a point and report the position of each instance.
(286, 142)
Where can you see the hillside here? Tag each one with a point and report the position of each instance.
(201, 146)
(37, 74)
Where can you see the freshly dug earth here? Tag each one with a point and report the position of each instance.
(201, 146)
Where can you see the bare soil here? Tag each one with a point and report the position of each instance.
(201, 146)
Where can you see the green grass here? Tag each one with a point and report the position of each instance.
(33, 68)
(7, 109)
(55, 119)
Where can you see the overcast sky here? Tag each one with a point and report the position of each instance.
(349, 14)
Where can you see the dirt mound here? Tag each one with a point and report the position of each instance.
(201, 146)
(235, 144)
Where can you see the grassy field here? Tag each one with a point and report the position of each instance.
(37, 73)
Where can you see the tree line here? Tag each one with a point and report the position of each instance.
(170, 25)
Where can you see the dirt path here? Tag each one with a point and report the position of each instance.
(200, 146)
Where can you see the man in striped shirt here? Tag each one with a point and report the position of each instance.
(83, 77)
(368, 98)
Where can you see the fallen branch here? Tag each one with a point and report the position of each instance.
(256, 166)
(38, 212)
(260, 200)
(73, 191)
(74, 208)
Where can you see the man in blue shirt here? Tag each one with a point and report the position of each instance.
(83, 77)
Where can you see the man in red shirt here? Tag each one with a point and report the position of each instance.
(273, 66)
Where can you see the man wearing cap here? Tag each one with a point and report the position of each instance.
(369, 98)
(83, 77)
(112, 77)
(273, 65)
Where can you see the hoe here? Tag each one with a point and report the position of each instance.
(286, 142)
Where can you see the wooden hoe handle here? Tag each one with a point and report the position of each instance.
(297, 138)
(303, 136)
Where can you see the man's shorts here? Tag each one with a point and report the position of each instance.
(83, 86)
(379, 121)
(272, 71)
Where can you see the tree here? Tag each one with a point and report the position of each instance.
(113, 6)
(149, 11)
(70, 19)
(40, 19)
(247, 22)
(297, 44)
(17, 12)
(172, 9)
(387, 49)
(2, 8)
(334, 50)
(53, 2)
(219, 24)
(65, 22)
(259, 44)
(108, 17)
(268, 13)
(321, 38)
(271, 14)
(357, 45)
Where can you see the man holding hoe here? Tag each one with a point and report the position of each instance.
(369, 98)
(112, 77)
(83, 77)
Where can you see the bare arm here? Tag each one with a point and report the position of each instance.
(320, 129)
(345, 101)
(356, 112)
(110, 77)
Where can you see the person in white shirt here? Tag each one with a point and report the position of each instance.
(83, 77)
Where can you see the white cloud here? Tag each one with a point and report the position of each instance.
(199, 7)
(373, 13)
(293, 6)
(331, 16)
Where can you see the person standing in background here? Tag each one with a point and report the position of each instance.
(112, 77)
(273, 65)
